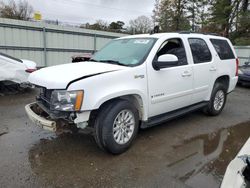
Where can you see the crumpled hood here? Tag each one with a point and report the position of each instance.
(58, 77)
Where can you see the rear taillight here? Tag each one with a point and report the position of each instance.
(30, 70)
(237, 67)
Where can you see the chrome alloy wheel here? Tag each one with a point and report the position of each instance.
(219, 100)
(123, 127)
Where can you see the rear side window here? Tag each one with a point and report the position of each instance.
(200, 50)
(223, 49)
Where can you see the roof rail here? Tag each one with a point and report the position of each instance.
(155, 30)
(192, 32)
(186, 32)
(215, 34)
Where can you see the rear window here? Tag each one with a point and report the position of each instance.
(223, 49)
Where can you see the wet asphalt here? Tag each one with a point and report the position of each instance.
(192, 151)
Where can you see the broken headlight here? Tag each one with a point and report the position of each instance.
(66, 100)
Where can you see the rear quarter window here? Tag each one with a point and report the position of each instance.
(223, 49)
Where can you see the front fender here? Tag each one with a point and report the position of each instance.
(120, 94)
(104, 87)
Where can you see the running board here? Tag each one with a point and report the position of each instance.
(156, 120)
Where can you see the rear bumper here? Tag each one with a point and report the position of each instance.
(38, 119)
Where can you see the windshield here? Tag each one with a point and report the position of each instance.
(127, 52)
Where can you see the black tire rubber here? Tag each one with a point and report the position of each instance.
(209, 109)
(103, 126)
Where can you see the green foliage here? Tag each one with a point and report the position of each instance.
(104, 26)
(241, 36)
(221, 13)
(229, 18)
(172, 15)
(242, 41)
(244, 22)
(99, 25)
(116, 26)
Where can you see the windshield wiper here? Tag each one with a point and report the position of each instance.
(112, 62)
(93, 60)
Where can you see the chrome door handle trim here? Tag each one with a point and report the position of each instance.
(212, 69)
(186, 74)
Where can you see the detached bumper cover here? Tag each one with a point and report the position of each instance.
(39, 120)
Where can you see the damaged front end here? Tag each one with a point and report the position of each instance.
(54, 111)
(40, 117)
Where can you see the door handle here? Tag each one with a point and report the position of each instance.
(212, 69)
(186, 74)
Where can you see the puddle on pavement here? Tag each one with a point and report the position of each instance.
(73, 160)
(202, 160)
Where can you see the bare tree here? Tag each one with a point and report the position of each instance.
(21, 10)
(156, 13)
(142, 24)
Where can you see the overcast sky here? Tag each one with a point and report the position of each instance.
(82, 11)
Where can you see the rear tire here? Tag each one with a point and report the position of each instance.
(217, 100)
(116, 126)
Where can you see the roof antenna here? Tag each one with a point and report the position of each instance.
(155, 30)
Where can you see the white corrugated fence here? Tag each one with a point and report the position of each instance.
(48, 44)
(243, 53)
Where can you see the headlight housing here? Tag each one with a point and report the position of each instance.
(66, 100)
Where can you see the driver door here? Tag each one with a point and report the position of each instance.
(170, 88)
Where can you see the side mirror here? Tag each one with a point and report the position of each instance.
(164, 61)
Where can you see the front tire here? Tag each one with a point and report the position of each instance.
(116, 126)
(217, 100)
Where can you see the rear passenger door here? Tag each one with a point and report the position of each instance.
(204, 68)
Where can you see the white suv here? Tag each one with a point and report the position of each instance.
(136, 81)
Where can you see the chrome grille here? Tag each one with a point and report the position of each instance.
(45, 96)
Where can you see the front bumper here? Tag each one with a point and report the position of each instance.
(39, 120)
(48, 121)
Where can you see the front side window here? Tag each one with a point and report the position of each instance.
(200, 50)
(175, 47)
(127, 52)
(223, 49)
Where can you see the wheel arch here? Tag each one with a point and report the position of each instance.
(135, 99)
(224, 79)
